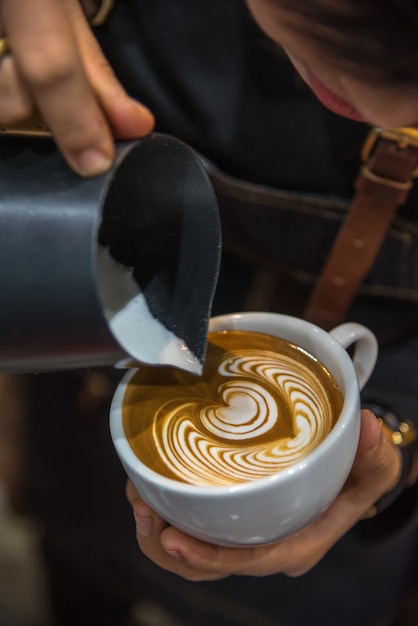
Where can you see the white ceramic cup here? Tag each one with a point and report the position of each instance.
(278, 505)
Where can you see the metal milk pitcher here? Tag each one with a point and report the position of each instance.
(117, 269)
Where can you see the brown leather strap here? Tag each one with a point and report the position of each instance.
(382, 186)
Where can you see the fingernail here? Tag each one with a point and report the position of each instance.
(92, 162)
(174, 555)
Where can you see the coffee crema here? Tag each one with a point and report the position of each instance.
(260, 406)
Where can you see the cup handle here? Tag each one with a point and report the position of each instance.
(365, 349)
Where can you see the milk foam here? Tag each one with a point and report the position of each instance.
(258, 412)
(246, 410)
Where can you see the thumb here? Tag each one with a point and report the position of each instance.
(378, 463)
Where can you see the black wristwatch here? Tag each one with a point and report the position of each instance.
(404, 435)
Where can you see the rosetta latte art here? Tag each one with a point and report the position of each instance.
(254, 412)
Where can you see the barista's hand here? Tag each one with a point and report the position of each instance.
(375, 471)
(57, 68)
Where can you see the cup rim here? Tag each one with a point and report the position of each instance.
(349, 408)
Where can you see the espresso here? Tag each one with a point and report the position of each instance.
(261, 405)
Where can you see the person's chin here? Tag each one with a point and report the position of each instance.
(331, 100)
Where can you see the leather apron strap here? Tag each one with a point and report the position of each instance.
(383, 184)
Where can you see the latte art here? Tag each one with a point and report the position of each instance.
(261, 405)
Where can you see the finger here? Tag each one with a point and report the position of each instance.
(207, 561)
(49, 63)
(149, 530)
(127, 117)
(149, 525)
(378, 463)
(210, 562)
(292, 556)
(16, 103)
(131, 492)
(173, 550)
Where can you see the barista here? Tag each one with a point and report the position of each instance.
(232, 97)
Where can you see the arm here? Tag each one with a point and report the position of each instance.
(57, 68)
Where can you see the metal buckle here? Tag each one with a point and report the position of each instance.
(102, 13)
(401, 432)
(33, 126)
(404, 137)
